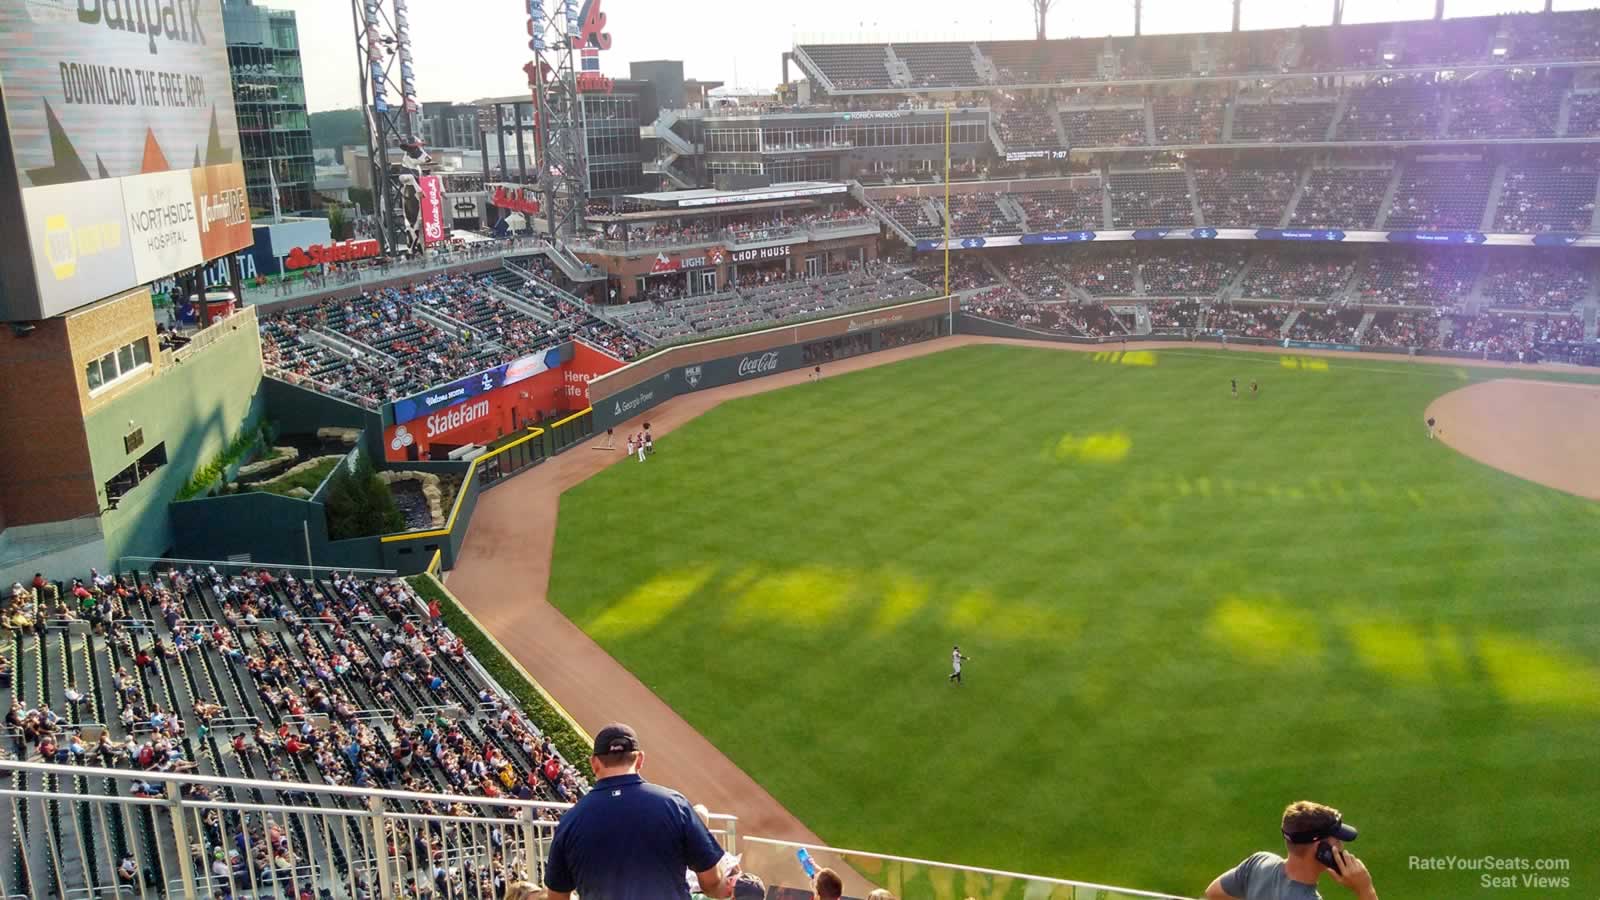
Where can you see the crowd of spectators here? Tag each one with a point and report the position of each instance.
(1025, 124)
(1508, 104)
(910, 213)
(1250, 321)
(967, 271)
(1038, 277)
(1176, 315)
(1101, 272)
(1441, 196)
(1277, 120)
(1188, 118)
(1074, 208)
(1583, 113)
(1541, 198)
(341, 681)
(1326, 324)
(1436, 277)
(1532, 38)
(1189, 271)
(978, 213)
(1537, 280)
(1341, 198)
(1401, 108)
(1491, 334)
(1390, 328)
(770, 298)
(389, 349)
(1244, 198)
(1105, 127)
(1296, 275)
(1150, 199)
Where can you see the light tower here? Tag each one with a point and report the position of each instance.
(557, 30)
(383, 50)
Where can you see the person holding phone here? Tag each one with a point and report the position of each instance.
(1314, 836)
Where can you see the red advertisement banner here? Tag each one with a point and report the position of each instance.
(430, 191)
(516, 198)
(337, 251)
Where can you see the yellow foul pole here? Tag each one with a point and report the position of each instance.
(950, 314)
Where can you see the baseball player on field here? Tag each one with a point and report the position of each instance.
(956, 659)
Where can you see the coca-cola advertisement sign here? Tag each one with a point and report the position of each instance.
(758, 365)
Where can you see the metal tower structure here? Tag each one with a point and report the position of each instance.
(383, 51)
(557, 29)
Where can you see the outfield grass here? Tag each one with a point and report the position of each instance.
(1183, 610)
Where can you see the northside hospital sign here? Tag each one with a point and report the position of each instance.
(126, 147)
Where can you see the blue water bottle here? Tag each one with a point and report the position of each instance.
(805, 862)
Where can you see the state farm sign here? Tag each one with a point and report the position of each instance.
(338, 251)
(456, 416)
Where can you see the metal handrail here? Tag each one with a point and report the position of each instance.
(996, 873)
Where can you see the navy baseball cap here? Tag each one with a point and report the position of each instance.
(749, 886)
(1334, 829)
(615, 738)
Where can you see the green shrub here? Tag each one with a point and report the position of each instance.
(360, 504)
(207, 475)
(573, 746)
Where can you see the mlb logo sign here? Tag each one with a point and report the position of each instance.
(692, 376)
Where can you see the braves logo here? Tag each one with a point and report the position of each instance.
(593, 22)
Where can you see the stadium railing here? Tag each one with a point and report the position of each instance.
(346, 842)
(499, 463)
(776, 863)
(307, 286)
(349, 842)
(239, 566)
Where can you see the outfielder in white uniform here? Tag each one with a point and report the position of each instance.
(955, 665)
(640, 444)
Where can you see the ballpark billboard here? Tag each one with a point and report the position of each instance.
(119, 94)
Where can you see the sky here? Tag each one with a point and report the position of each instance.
(467, 49)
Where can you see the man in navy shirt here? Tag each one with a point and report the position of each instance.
(631, 840)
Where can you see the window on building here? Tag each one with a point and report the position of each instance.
(136, 473)
(118, 364)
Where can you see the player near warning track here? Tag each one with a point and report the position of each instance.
(956, 659)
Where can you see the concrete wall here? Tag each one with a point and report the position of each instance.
(298, 410)
(195, 406)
